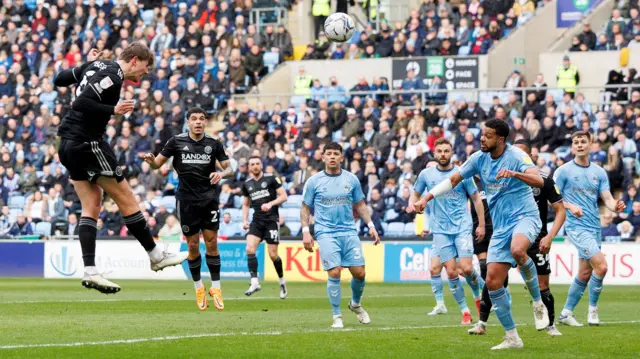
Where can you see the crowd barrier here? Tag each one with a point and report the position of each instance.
(389, 262)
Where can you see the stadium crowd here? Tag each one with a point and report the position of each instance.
(436, 28)
(622, 30)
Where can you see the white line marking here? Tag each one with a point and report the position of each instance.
(189, 298)
(233, 334)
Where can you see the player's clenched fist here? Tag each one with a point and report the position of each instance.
(620, 206)
(307, 241)
(245, 225)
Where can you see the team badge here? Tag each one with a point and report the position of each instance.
(347, 188)
(185, 228)
(207, 150)
(263, 185)
(118, 171)
(536, 191)
(594, 180)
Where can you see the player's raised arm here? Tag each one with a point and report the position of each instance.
(438, 190)
(72, 76)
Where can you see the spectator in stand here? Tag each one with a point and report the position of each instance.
(609, 229)
(21, 228)
(228, 228)
(171, 227)
(587, 37)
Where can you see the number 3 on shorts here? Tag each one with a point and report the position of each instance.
(214, 216)
(542, 259)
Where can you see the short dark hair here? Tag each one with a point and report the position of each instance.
(195, 110)
(581, 134)
(442, 141)
(332, 146)
(139, 50)
(522, 141)
(500, 126)
(254, 158)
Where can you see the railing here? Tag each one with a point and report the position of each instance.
(481, 96)
(262, 17)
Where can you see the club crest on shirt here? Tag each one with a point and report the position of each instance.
(207, 150)
(536, 191)
(347, 188)
(185, 228)
(263, 185)
(594, 180)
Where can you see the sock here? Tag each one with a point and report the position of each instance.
(335, 293)
(575, 294)
(475, 282)
(282, 281)
(436, 287)
(595, 288)
(87, 228)
(277, 264)
(253, 265)
(458, 293)
(357, 287)
(194, 268)
(503, 308)
(530, 276)
(483, 268)
(547, 299)
(213, 262)
(485, 305)
(137, 226)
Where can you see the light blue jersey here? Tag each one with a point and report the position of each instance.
(332, 198)
(449, 213)
(511, 202)
(582, 186)
(509, 199)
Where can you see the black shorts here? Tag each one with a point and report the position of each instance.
(195, 216)
(543, 266)
(86, 161)
(266, 230)
(482, 247)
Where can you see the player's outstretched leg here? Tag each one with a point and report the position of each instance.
(137, 225)
(458, 291)
(252, 262)
(357, 287)
(335, 294)
(576, 291)
(277, 265)
(91, 196)
(436, 286)
(519, 246)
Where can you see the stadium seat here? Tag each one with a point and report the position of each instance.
(390, 215)
(395, 229)
(156, 201)
(294, 201)
(251, 212)
(294, 227)
(43, 228)
(236, 214)
(546, 156)
(409, 230)
(475, 131)
(385, 227)
(169, 202)
(290, 214)
(271, 60)
(13, 214)
(17, 202)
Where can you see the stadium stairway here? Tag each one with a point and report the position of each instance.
(536, 36)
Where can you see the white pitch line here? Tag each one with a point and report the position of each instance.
(233, 334)
(190, 298)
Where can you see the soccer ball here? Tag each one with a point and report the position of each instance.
(339, 27)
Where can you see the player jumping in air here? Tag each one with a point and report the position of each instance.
(451, 225)
(91, 162)
(539, 250)
(333, 194)
(264, 193)
(581, 182)
(194, 158)
(508, 174)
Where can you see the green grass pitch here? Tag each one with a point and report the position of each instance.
(159, 319)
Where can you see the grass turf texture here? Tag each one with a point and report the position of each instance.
(159, 319)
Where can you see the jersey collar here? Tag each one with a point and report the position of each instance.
(330, 175)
